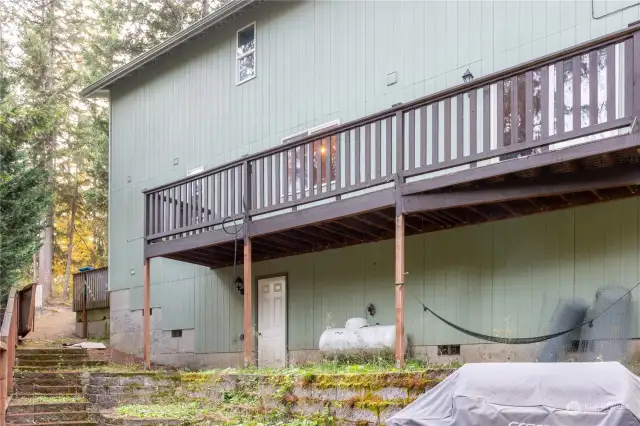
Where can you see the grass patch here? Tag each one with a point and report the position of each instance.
(353, 366)
(193, 413)
(178, 411)
(239, 397)
(116, 368)
(56, 399)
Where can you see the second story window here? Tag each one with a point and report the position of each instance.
(246, 53)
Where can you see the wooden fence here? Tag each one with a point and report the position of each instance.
(27, 307)
(96, 284)
(8, 340)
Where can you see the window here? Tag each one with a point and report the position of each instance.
(246, 53)
(448, 350)
(176, 333)
(322, 150)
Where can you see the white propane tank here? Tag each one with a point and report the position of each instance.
(358, 336)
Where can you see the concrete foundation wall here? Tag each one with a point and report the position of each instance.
(98, 323)
(126, 336)
(481, 352)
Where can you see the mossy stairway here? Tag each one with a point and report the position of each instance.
(48, 388)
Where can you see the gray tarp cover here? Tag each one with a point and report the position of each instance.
(525, 394)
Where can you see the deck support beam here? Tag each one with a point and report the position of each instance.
(248, 329)
(400, 349)
(85, 326)
(146, 313)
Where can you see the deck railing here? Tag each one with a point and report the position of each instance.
(575, 95)
(8, 341)
(95, 282)
(90, 291)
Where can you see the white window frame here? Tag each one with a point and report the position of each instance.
(254, 51)
(324, 126)
(195, 171)
(317, 129)
(311, 131)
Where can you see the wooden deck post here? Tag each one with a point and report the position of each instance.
(85, 328)
(13, 342)
(4, 355)
(400, 349)
(248, 329)
(147, 313)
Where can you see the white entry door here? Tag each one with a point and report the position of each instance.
(272, 322)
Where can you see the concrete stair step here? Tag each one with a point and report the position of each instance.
(46, 375)
(48, 417)
(50, 351)
(47, 390)
(57, 364)
(47, 381)
(17, 407)
(76, 423)
(36, 357)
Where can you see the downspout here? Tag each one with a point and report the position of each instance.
(110, 140)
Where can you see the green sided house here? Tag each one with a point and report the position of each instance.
(283, 166)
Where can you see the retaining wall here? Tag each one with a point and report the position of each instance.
(362, 399)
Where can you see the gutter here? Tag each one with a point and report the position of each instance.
(98, 88)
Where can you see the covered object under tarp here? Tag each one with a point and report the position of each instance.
(529, 394)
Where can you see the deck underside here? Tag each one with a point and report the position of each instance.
(593, 179)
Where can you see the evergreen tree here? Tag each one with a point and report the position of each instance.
(23, 194)
(55, 48)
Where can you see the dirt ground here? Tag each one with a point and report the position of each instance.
(58, 327)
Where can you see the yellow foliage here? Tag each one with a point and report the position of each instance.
(84, 251)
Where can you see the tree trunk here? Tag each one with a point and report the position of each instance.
(205, 8)
(46, 260)
(46, 252)
(70, 232)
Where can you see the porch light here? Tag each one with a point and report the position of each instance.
(467, 76)
(322, 149)
(239, 285)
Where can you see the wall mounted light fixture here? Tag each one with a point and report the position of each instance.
(467, 76)
(239, 285)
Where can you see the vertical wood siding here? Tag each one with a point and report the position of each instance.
(502, 278)
(499, 278)
(318, 61)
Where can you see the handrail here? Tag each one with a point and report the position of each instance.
(8, 316)
(429, 99)
(8, 340)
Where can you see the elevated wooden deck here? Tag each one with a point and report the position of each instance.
(525, 140)
(556, 132)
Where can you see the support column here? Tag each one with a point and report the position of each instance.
(400, 349)
(85, 328)
(4, 391)
(248, 284)
(146, 313)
